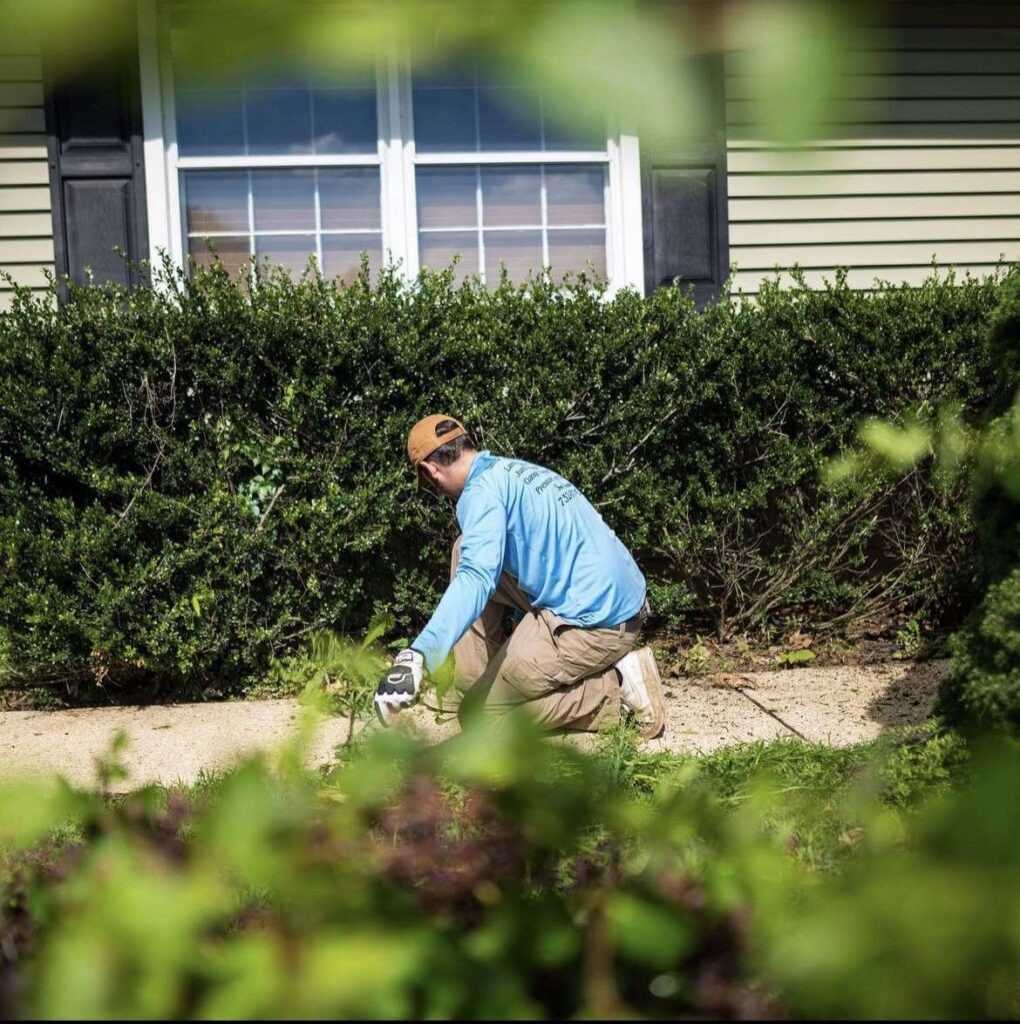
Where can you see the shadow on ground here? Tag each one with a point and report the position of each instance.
(909, 697)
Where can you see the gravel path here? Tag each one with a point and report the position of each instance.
(177, 742)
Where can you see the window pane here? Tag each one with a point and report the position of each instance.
(215, 201)
(447, 197)
(570, 233)
(284, 200)
(278, 108)
(571, 251)
(509, 119)
(291, 252)
(444, 120)
(341, 254)
(519, 251)
(200, 61)
(463, 110)
(563, 132)
(438, 251)
(511, 196)
(233, 253)
(345, 120)
(350, 199)
(279, 121)
(445, 76)
(575, 195)
(210, 122)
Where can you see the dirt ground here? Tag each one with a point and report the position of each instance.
(171, 743)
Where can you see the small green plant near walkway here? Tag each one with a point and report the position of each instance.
(791, 659)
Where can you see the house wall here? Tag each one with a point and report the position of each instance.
(927, 166)
(26, 224)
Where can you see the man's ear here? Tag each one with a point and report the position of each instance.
(428, 472)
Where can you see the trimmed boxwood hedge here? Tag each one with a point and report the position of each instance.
(196, 476)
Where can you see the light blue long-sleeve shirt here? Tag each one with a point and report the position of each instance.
(519, 518)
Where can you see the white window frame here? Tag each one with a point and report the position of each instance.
(396, 158)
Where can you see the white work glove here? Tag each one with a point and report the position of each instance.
(400, 685)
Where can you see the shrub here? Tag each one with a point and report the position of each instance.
(1004, 346)
(196, 477)
(490, 879)
(983, 687)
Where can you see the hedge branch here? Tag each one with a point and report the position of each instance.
(614, 472)
(269, 508)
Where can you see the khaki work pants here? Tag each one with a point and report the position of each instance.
(561, 675)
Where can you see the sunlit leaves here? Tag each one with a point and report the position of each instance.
(637, 63)
(30, 810)
(992, 454)
(794, 56)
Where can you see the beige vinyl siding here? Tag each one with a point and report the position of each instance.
(923, 167)
(26, 223)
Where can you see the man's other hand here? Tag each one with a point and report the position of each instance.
(400, 685)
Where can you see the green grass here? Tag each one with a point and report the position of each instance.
(817, 792)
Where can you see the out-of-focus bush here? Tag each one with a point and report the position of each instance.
(983, 688)
(496, 878)
(194, 479)
(502, 876)
(984, 685)
(923, 924)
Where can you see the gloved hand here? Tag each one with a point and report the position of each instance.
(400, 685)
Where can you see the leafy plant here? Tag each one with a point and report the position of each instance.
(910, 639)
(500, 875)
(694, 660)
(789, 659)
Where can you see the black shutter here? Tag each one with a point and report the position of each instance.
(685, 226)
(97, 176)
(686, 229)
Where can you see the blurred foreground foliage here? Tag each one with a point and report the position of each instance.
(642, 62)
(502, 875)
(195, 480)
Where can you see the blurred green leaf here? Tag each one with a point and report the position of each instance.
(648, 932)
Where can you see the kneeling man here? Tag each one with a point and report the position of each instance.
(530, 542)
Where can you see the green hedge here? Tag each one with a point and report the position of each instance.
(194, 478)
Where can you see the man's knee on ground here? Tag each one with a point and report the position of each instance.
(474, 706)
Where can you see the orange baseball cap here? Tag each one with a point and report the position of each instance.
(423, 440)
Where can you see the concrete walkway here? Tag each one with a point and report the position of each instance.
(177, 742)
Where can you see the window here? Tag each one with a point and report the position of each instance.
(520, 216)
(424, 169)
(285, 215)
(277, 165)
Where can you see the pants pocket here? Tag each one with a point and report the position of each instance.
(530, 668)
(586, 652)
